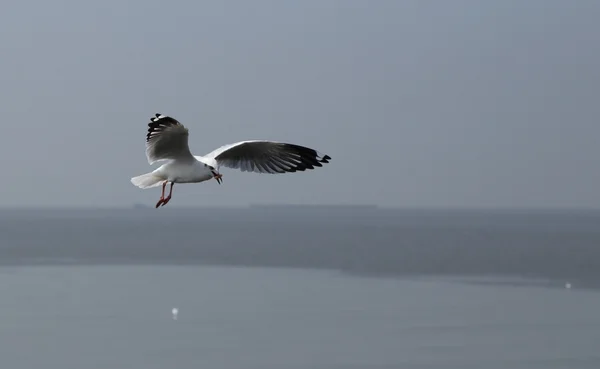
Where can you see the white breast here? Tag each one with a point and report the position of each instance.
(186, 172)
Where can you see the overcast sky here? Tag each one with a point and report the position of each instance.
(418, 102)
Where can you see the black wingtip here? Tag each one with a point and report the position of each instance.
(156, 117)
(158, 123)
(325, 159)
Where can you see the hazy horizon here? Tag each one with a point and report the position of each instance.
(426, 209)
(550, 245)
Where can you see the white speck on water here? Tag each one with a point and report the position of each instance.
(568, 285)
(175, 311)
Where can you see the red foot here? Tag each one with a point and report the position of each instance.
(163, 202)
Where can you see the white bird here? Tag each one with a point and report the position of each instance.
(167, 140)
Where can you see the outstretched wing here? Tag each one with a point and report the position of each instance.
(167, 139)
(267, 157)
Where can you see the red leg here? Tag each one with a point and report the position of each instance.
(166, 200)
(162, 195)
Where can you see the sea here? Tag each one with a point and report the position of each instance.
(294, 287)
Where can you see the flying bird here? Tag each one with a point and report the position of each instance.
(167, 141)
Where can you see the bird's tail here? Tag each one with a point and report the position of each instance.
(147, 180)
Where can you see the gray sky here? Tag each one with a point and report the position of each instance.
(419, 103)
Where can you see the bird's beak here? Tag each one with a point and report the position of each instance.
(218, 177)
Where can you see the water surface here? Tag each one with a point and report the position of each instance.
(120, 317)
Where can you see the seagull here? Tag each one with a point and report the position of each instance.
(167, 141)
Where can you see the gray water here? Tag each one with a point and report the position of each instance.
(298, 288)
(120, 317)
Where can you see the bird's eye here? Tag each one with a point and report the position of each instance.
(205, 165)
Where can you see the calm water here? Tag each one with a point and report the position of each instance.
(120, 317)
(368, 289)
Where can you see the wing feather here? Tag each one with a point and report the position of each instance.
(167, 139)
(263, 156)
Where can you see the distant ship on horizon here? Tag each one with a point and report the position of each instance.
(323, 206)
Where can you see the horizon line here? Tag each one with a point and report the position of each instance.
(140, 206)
